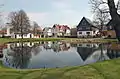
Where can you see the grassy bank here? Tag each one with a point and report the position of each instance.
(90, 40)
(70, 40)
(102, 70)
(10, 40)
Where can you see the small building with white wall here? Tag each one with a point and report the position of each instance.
(8, 31)
(86, 28)
(47, 31)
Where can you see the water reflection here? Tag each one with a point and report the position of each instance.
(55, 54)
(57, 46)
(113, 51)
(18, 56)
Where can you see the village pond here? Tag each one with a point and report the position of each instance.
(32, 55)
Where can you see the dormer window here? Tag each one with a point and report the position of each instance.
(83, 22)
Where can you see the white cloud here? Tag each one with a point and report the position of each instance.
(116, 0)
(45, 19)
(62, 4)
(62, 13)
(48, 19)
(40, 18)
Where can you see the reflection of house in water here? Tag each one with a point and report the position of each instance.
(57, 46)
(98, 55)
(92, 52)
(60, 46)
(48, 45)
(64, 46)
(85, 50)
(30, 44)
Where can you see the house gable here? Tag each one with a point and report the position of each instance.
(85, 25)
(85, 52)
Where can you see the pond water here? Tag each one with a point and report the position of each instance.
(33, 55)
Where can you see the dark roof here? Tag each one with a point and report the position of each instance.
(89, 21)
(85, 52)
(61, 26)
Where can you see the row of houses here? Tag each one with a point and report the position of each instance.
(85, 28)
(56, 31)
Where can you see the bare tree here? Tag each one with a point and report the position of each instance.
(100, 19)
(35, 28)
(20, 22)
(100, 10)
(109, 6)
(1, 16)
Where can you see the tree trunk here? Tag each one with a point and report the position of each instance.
(115, 18)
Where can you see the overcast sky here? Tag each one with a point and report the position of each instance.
(49, 12)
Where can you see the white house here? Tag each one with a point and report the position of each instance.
(18, 35)
(9, 32)
(61, 30)
(86, 28)
(47, 31)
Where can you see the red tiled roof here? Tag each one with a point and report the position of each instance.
(63, 27)
(3, 31)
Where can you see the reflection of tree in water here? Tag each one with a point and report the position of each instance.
(36, 50)
(56, 47)
(113, 51)
(19, 56)
(47, 45)
(102, 56)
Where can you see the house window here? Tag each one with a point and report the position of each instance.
(19, 35)
(80, 44)
(88, 45)
(25, 35)
(88, 33)
(80, 32)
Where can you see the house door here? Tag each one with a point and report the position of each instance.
(15, 36)
(30, 36)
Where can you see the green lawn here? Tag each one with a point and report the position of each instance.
(71, 40)
(8, 40)
(102, 70)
